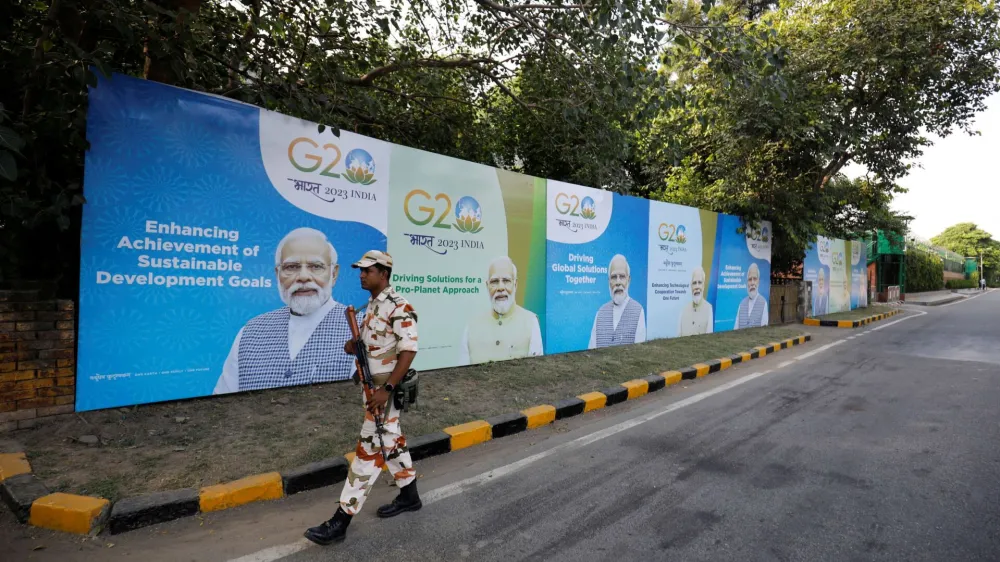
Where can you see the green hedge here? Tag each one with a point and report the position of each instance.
(924, 271)
(962, 284)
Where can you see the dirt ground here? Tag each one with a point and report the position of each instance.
(205, 441)
(858, 313)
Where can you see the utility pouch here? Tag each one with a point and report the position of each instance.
(406, 392)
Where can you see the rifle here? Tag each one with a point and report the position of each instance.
(365, 374)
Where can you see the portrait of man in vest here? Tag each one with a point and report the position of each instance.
(505, 330)
(697, 316)
(301, 342)
(753, 308)
(821, 299)
(622, 319)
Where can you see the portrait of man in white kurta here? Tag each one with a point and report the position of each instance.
(505, 330)
(697, 317)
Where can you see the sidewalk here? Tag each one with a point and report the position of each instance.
(937, 298)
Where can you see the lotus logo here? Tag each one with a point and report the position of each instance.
(588, 209)
(468, 215)
(681, 235)
(360, 167)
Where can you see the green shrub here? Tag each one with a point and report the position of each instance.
(962, 284)
(924, 271)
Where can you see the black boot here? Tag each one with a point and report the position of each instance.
(407, 500)
(330, 531)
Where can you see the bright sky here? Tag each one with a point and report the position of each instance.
(957, 180)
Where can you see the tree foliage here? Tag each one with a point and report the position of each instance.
(860, 81)
(750, 107)
(969, 240)
(482, 80)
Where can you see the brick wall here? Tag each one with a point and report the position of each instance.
(37, 358)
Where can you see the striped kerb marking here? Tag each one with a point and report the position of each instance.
(12, 464)
(540, 415)
(67, 512)
(671, 377)
(260, 487)
(469, 434)
(636, 388)
(593, 401)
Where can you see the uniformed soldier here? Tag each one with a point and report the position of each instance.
(389, 330)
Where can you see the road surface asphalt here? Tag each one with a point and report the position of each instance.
(881, 443)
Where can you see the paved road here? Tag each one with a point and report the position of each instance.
(885, 446)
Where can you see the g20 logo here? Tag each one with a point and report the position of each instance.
(360, 164)
(468, 213)
(571, 204)
(672, 232)
(762, 235)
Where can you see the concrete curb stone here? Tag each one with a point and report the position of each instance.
(615, 394)
(507, 424)
(569, 407)
(150, 509)
(430, 445)
(20, 491)
(314, 475)
(656, 382)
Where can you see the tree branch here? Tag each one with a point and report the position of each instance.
(503, 88)
(840, 160)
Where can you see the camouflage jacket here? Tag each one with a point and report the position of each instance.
(389, 327)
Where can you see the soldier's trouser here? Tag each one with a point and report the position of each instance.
(368, 462)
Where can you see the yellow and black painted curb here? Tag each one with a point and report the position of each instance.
(32, 502)
(850, 323)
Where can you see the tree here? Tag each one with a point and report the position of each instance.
(860, 81)
(549, 87)
(746, 106)
(969, 240)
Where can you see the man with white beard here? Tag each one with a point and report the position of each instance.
(301, 342)
(621, 320)
(697, 317)
(507, 331)
(821, 299)
(753, 308)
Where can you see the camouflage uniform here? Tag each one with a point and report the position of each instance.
(389, 327)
